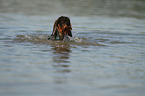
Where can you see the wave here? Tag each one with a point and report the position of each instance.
(43, 39)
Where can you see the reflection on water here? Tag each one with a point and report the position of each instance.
(61, 62)
(61, 54)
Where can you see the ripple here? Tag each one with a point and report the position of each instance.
(42, 39)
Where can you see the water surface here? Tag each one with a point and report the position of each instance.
(106, 57)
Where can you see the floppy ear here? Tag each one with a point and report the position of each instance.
(70, 27)
(54, 26)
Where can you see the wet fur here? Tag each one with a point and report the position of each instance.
(61, 28)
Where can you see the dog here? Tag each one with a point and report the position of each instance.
(61, 28)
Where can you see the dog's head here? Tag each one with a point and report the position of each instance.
(63, 25)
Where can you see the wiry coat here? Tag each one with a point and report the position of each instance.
(61, 28)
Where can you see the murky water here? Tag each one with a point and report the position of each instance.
(106, 56)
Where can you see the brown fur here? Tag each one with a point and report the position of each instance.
(61, 28)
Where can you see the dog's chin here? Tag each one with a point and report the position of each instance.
(66, 38)
(61, 37)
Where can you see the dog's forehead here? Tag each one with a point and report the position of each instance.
(63, 20)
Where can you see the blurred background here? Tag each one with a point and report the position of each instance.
(131, 8)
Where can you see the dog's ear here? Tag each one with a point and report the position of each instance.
(54, 26)
(70, 27)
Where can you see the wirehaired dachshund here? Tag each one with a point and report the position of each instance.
(61, 28)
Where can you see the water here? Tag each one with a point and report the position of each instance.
(105, 58)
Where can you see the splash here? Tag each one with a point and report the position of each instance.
(43, 39)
